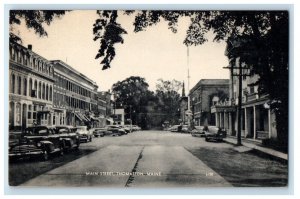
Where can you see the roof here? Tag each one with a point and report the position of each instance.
(73, 70)
(210, 82)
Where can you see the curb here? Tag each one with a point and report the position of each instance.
(259, 151)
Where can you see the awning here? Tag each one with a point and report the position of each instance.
(109, 120)
(81, 117)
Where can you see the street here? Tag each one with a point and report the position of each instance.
(151, 159)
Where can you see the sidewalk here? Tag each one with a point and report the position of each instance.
(256, 146)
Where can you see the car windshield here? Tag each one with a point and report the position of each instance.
(81, 128)
(35, 131)
(63, 130)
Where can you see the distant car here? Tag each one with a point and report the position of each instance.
(215, 134)
(136, 128)
(69, 136)
(185, 129)
(127, 128)
(198, 131)
(116, 130)
(174, 128)
(39, 141)
(99, 132)
(84, 134)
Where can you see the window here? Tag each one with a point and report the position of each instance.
(43, 91)
(25, 87)
(40, 90)
(19, 85)
(35, 88)
(30, 87)
(12, 85)
(29, 111)
(251, 89)
(18, 114)
(50, 93)
(47, 92)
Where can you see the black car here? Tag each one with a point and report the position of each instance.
(41, 141)
(215, 134)
(116, 130)
(70, 138)
(198, 131)
(99, 132)
(84, 134)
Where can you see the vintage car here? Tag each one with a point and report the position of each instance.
(136, 128)
(116, 130)
(184, 129)
(198, 131)
(174, 128)
(215, 134)
(39, 141)
(14, 139)
(69, 136)
(100, 132)
(127, 128)
(84, 134)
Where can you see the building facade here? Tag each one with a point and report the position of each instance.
(257, 121)
(203, 95)
(74, 98)
(31, 79)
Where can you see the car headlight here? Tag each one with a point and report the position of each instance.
(39, 144)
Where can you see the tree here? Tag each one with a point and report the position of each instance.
(130, 94)
(168, 96)
(34, 19)
(266, 49)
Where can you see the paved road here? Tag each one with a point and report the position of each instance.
(140, 159)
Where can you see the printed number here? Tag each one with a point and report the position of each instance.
(209, 174)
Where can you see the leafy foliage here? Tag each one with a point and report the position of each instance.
(34, 19)
(109, 33)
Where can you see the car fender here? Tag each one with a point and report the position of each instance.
(47, 145)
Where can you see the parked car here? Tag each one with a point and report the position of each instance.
(84, 134)
(215, 134)
(184, 129)
(136, 128)
(39, 141)
(69, 136)
(127, 128)
(174, 128)
(99, 132)
(198, 131)
(116, 130)
(14, 139)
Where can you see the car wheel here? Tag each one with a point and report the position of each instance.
(206, 139)
(45, 156)
(91, 139)
(61, 152)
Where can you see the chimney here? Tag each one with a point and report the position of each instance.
(29, 46)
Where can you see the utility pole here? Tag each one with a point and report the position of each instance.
(188, 96)
(239, 74)
(239, 109)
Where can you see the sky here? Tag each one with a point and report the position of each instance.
(153, 54)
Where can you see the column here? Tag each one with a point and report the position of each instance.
(269, 122)
(220, 119)
(217, 120)
(254, 122)
(246, 124)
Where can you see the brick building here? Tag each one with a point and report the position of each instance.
(203, 95)
(31, 79)
(75, 96)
